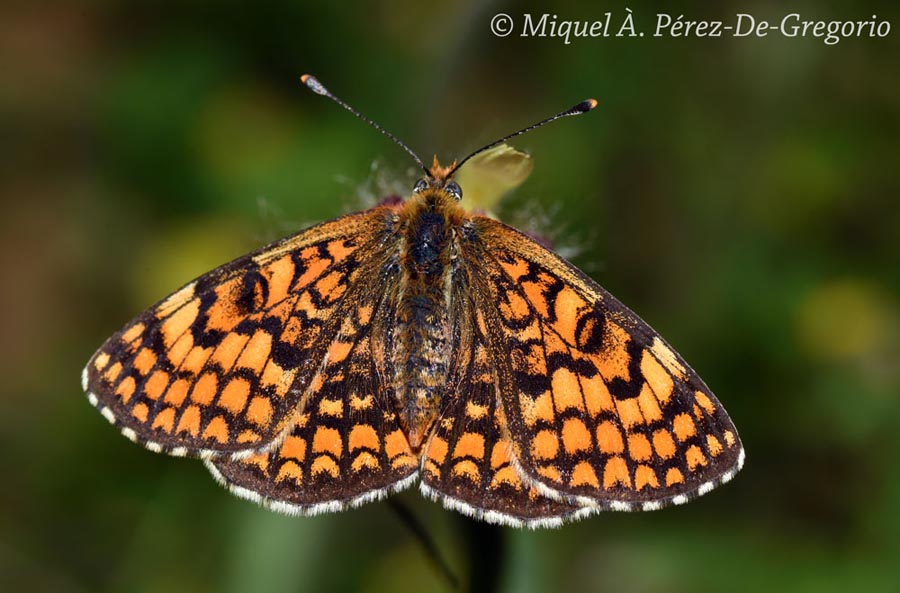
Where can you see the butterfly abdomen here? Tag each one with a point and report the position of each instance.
(422, 329)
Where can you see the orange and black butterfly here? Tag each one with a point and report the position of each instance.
(417, 341)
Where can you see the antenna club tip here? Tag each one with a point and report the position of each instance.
(583, 107)
(313, 84)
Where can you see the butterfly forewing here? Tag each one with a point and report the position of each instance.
(219, 366)
(601, 410)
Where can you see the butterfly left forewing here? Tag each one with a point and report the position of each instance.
(218, 367)
(601, 410)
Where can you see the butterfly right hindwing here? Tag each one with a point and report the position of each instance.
(468, 463)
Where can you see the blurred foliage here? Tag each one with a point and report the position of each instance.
(740, 194)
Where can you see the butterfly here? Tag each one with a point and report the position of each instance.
(416, 341)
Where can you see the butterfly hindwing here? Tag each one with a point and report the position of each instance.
(219, 366)
(346, 446)
(468, 462)
(601, 410)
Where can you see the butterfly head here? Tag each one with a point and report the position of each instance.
(439, 179)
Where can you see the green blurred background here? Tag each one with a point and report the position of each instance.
(739, 194)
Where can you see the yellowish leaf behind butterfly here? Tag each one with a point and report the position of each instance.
(492, 174)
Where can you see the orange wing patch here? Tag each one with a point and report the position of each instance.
(220, 366)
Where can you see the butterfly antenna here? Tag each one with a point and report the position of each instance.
(583, 107)
(315, 86)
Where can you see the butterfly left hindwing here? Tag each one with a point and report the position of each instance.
(346, 446)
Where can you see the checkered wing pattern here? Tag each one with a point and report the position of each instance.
(600, 410)
(219, 367)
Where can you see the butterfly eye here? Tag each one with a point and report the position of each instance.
(420, 186)
(454, 190)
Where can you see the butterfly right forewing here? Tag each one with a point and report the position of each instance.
(601, 410)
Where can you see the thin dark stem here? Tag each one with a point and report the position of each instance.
(486, 548)
(425, 541)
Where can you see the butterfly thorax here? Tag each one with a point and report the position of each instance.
(422, 334)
